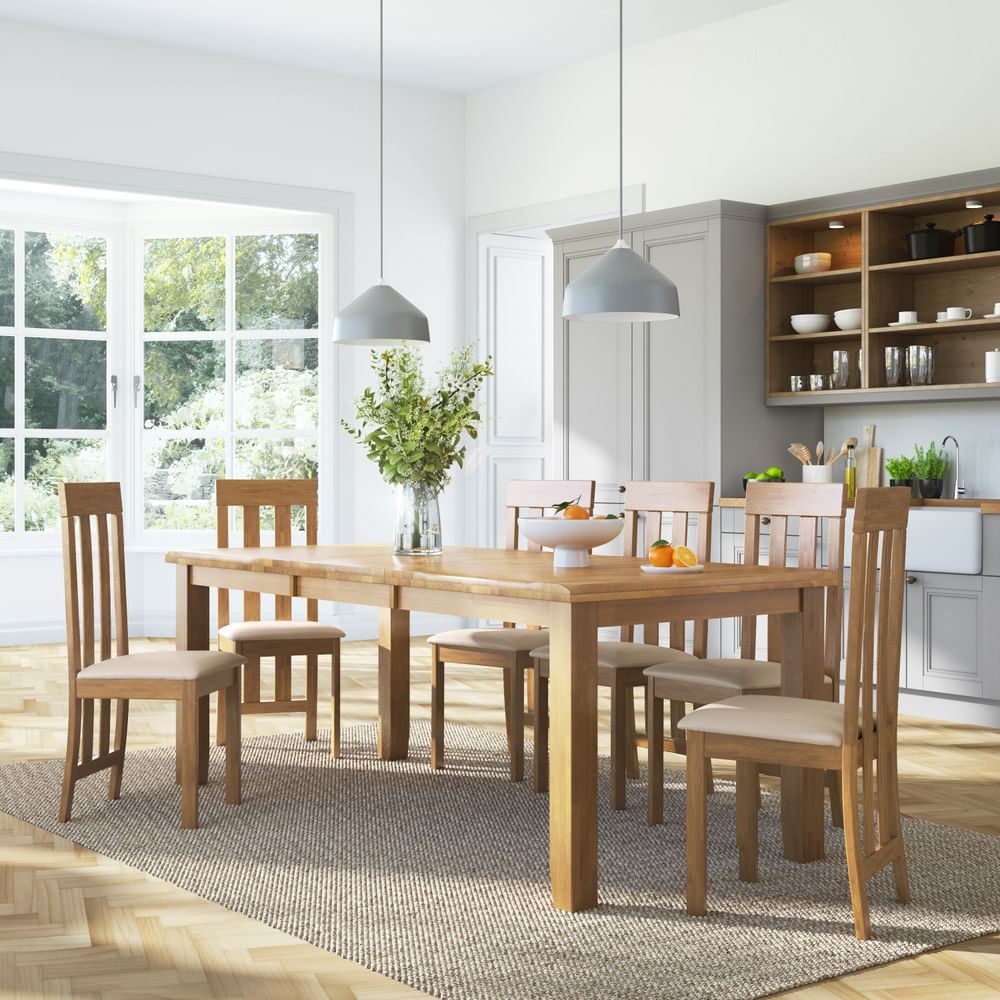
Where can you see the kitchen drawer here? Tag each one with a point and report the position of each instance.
(991, 544)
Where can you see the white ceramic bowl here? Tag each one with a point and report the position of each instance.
(812, 263)
(847, 319)
(810, 322)
(571, 541)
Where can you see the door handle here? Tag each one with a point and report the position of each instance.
(911, 579)
(136, 386)
(114, 391)
(765, 520)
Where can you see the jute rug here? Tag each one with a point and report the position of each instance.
(440, 880)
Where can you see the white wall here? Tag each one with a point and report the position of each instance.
(87, 98)
(796, 100)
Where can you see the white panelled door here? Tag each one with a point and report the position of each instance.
(514, 321)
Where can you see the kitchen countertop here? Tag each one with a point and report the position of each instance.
(988, 506)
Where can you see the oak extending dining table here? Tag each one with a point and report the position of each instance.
(524, 587)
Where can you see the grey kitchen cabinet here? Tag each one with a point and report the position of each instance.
(674, 400)
(945, 634)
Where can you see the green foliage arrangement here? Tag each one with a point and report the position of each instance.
(900, 467)
(411, 431)
(929, 463)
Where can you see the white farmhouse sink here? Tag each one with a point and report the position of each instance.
(939, 540)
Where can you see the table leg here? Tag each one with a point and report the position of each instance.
(393, 683)
(573, 760)
(192, 633)
(802, 677)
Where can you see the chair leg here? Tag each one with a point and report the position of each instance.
(619, 742)
(312, 695)
(189, 756)
(836, 802)
(632, 756)
(507, 712)
(540, 685)
(335, 701)
(697, 826)
(890, 821)
(709, 779)
(220, 714)
(654, 739)
(204, 713)
(854, 852)
(231, 698)
(73, 733)
(437, 710)
(515, 681)
(121, 733)
(747, 787)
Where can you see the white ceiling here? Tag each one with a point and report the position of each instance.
(453, 45)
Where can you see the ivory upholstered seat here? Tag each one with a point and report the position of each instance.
(187, 677)
(506, 648)
(620, 663)
(257, 631)
(859, 735)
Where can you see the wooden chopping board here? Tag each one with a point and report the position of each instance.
(869, 461)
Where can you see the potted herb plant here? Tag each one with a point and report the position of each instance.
(900, 471)
(414, 433)
(929, 468)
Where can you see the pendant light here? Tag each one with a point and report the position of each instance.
(380, 316)
(621, 287)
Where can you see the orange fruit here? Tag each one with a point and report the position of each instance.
(683, 556)
(575, 513)
(661, 555)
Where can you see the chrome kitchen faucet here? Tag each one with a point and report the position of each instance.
(959, 485)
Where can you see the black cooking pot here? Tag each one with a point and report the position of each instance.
(982, 236)
(931, 242)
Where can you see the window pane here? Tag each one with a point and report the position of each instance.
(277, 282)
(49, 462)
(180, 482)
(276, 383)
(65, 282)
(6, 381)
(184, 287)
(6, 485)
(185, 384)
(276, 458)
(65, 383)
(6, 277)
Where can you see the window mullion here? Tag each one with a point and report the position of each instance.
(19, 386)
(230, 354)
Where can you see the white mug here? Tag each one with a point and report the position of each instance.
(907, 316)
(958, 312)
(942, 316)
(996, 308)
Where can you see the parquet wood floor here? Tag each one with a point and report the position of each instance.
(75, 924)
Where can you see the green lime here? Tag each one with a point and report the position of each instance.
(749, 475)
(763, 477)
(659, 542)
(775, 473)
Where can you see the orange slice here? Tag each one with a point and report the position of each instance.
(683, 556)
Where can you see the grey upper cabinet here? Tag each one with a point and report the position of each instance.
(681, 399)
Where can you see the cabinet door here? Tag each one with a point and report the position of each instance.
(991, 636)
(944, 634)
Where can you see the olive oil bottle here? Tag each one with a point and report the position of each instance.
(851, 473)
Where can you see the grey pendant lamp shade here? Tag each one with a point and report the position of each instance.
(621, 287)
(380, 316)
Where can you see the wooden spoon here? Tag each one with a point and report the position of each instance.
(798, 450)
(837, 456)
(819, 453)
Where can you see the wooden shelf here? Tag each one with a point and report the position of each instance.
(948, 326)
(887, 394)
(843, 275)
(935, 265)
(792, 338)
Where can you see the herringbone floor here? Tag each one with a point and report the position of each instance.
(74, 924)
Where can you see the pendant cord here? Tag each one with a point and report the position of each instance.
(381, 150)
(621, 124)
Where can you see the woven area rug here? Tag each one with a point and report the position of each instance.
(440, 880)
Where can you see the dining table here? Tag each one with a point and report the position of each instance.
(525, 587)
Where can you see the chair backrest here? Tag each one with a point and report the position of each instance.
(810, 503)
(533, 497)
(82, 508)
(651, 500)
(874, 637)
(251, 495)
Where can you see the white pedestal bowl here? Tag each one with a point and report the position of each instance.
(570, 540)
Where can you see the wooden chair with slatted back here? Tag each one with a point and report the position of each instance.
(283, 637)
(698, 683)
(620, 663)
(858, 735)
(96, 677)
(507, 648)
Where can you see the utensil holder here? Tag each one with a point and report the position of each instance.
(817, 473)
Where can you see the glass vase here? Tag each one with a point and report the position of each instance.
(418, 521)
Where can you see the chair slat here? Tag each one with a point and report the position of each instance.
(118, 582)
(104, 579)
(751, 555)
(312, 538)
(834, 603)
(72, 602)
(251, 540)
(87, 608)
(222, 516)
(282, 537)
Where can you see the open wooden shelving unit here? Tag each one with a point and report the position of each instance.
(870, 271)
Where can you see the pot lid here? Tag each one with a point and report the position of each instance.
(987, 220)
(931, 227)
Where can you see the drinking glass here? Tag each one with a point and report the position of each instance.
(841, 377)
(893, 365)
(920, 361)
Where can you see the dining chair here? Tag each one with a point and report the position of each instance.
(508, 647)
(96, 677)
(859, 734)
(820, 510)
(282, 637)
(621, 663)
